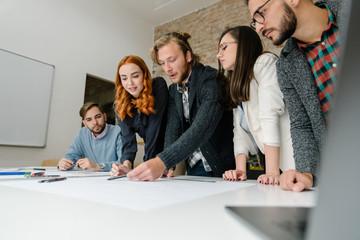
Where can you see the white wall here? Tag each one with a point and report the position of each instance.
(78, 37)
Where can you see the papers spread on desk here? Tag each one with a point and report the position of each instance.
(49, 171)
(134, 195)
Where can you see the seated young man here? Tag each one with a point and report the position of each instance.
(97, 145)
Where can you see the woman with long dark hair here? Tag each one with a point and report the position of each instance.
(261, 120)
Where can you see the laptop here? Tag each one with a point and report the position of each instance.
(337, 212)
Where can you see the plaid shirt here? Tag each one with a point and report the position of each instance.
(197, 155)
(323, 57)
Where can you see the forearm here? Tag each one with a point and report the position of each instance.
(77, 147)
(127, 163)
(129, 148)
(154, 139)
(128, 140)
(306, 145)
(201, 129)
(240, 162)
(155, 128)
(242, 142)
(272, 159)
(74, 154)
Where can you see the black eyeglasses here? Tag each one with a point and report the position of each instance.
(258, 16)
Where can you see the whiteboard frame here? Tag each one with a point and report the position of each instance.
(41, 139)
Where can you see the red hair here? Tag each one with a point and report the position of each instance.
(124, 101)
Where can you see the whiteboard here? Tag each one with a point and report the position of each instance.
(25, 96)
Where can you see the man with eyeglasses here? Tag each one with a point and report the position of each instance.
(307, 70)
(199, 130)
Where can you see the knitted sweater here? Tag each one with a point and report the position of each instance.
(296, 80)
(105, 150)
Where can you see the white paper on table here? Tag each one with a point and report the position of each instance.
(134, 195)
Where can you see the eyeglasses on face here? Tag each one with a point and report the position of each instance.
(258, 16)
(223, 46)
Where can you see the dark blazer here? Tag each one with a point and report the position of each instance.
(211, 127)
(297, 83)
(150, 127)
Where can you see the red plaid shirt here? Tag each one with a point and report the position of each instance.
(323, 57)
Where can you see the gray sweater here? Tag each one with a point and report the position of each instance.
(308, 126)
(211, 127)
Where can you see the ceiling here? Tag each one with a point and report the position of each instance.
(157, 12)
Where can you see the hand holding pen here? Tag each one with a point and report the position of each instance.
(119, 169)
(65, 164)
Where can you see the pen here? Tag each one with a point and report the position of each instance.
(52, 180)
(115, 172)
(116, 177)
(39, 169)
(75, 166)
(194, 180)
(45, 176)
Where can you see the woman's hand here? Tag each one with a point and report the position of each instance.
(234, 175)
(269, 179)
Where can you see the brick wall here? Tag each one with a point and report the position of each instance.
(205, 26)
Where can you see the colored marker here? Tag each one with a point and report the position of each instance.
(38, 174)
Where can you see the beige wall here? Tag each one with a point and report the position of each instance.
(205, 26)
(91, 39)
(79, 37)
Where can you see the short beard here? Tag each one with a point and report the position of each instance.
(185, 74)
(288, 25)
(101, 130)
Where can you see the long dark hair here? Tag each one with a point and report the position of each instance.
(249, 48)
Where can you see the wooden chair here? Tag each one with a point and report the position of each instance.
(50, 162)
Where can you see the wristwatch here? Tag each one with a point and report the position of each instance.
(101, 166)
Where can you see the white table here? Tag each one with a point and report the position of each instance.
(29, 214)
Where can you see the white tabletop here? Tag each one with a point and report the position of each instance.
(28, 214)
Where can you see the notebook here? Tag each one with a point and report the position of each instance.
(337, 211)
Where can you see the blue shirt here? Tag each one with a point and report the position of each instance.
(104, 149)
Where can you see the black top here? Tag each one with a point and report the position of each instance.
(150, 127)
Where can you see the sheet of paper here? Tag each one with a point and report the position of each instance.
(9, 169)
(76, 173)
(135, 195)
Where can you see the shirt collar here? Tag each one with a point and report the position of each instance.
(331, 17)
(180, 86)
(331, 21)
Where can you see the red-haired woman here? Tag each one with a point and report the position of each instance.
(140, 107)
